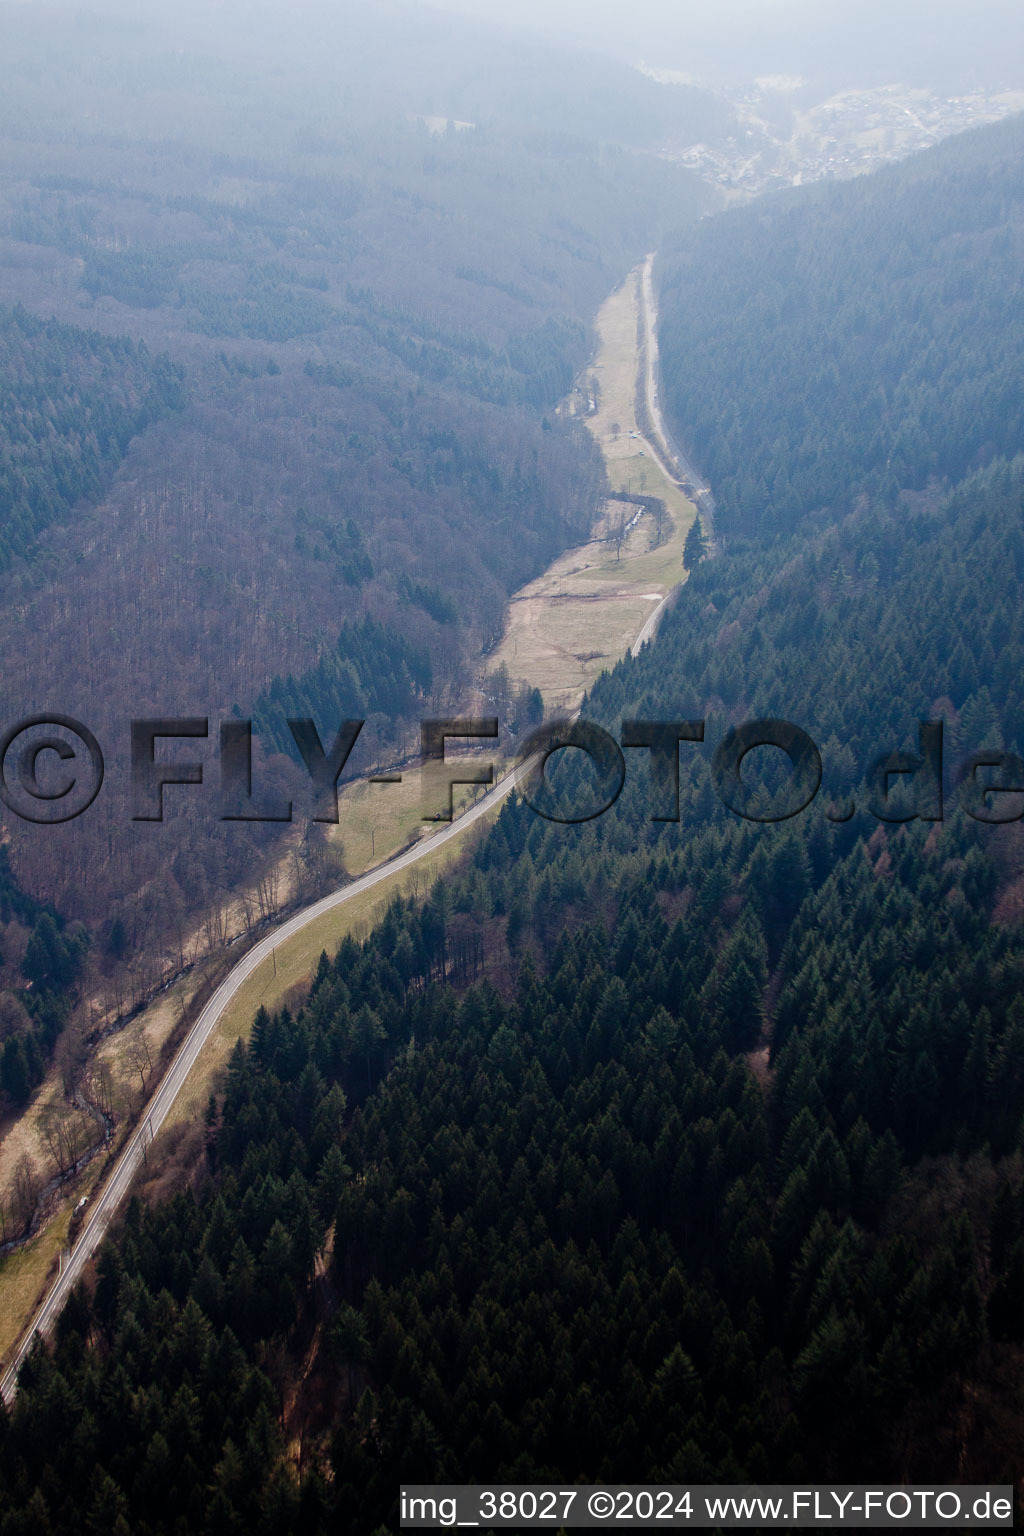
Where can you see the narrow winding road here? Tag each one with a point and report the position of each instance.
(119, 1183)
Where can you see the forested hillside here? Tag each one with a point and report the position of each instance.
(856, 337)
(40, 962)
(670, 1151)
(371, 318)
(70, 403)
(681, 1151)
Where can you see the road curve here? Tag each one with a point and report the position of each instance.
(651, 623)
(120, 1180)
(134, 1153)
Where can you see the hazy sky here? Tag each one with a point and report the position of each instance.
(738, 38)
(950, 44)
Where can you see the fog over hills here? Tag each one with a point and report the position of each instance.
(939, 43)
(946, 43)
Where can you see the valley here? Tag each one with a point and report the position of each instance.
(603, 596)
(378, 364)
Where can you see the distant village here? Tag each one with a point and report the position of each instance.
(782, 144)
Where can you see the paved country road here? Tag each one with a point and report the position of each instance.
(651, 623)
(664, 448)
(118, 1184)
(659, 443)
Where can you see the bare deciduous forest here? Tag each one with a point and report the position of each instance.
(339, 337)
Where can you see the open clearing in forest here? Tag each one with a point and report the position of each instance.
(581, 615)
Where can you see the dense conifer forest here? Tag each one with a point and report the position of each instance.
(641, 1150)
(859, 336)
(671, 1151)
